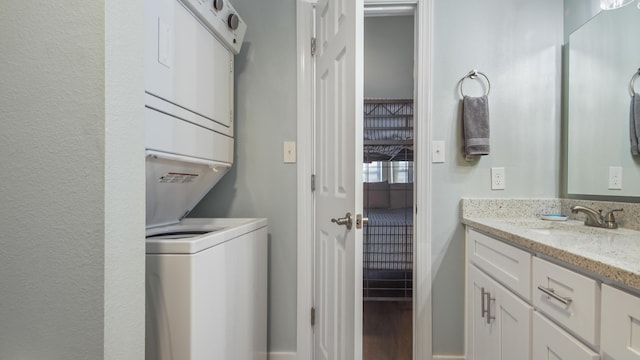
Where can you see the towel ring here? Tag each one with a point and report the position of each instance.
(472, 75)
(632, 90)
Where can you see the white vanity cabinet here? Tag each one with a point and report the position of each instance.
(620, 339)
(522, 307)
(498, 319)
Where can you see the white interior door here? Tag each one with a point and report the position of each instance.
(338, 148)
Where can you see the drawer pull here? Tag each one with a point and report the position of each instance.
(482, 303)
(551, 293)
(486, 306)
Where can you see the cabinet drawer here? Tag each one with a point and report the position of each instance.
(620, 324)
(551, 342)
(505, 263)
(571, 300)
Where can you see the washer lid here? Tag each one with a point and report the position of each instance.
(205, 233)
(175, 185)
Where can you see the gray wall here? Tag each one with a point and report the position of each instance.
(72, 233)
(259, 184)
(518, 45)
(388, 57)
(124, 194)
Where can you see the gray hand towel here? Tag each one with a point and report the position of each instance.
(634, 124)
(475, 122)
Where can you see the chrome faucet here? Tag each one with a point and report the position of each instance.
(595, 218)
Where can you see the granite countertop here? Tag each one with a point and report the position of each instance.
(611, 254)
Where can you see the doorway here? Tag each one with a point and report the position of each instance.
(421, 287)
(388, 187)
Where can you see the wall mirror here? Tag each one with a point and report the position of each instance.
(603, 55)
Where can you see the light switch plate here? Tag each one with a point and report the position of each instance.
(437, 152)
(289, 152)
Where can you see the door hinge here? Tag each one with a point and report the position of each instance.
(313, 46)
(313, 316)
(313, 182)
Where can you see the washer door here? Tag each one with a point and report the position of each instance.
(175, 184)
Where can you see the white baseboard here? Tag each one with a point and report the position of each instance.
(282, 356)
(293, 356)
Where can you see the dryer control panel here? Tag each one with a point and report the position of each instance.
(222, 19)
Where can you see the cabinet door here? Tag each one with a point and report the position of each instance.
(514, 316)
(620, 324)
(498, 323)
(552, 343)
(482, 335)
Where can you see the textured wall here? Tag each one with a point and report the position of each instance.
(124, 193)
(52, 110)
(388, 57)
(56, 252)
(259, 184)
(518, 45)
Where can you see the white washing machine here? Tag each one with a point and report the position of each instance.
(206, 290)
(206, 278)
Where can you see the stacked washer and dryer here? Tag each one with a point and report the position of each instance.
(206, 278)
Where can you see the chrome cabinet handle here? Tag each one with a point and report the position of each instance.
(486, 305)
(347, 221)
(552, 293)
(482, 303)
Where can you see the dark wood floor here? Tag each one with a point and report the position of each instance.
(387, 330)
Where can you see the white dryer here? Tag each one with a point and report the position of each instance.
(206, 278)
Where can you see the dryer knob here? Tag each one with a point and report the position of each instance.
(233, 21)
(218, 4)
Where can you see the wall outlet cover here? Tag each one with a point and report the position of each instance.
(498, 178)
(615, 178)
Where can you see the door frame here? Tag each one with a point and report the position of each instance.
(422, 317)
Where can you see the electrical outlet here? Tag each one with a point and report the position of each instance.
(615, 178)
(498, 178)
